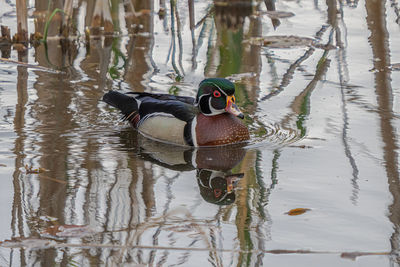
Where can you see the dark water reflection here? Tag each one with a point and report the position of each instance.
(321, 103)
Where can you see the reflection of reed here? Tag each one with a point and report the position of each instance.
(270, 4)
(18, 222)
(140, 45)
(176, 34)
(301, 103)
(343, 79)
(288, 76)
(379, 41)
(395, 5)
(192, 28)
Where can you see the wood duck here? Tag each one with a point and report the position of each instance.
(210, 119)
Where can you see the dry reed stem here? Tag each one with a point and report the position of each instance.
(67, 11)
(67, 15)
(102, 13)
(22, 22)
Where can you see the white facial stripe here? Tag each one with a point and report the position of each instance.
(198, 102)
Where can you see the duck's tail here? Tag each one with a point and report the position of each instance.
(127, 104)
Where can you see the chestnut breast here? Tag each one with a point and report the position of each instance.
(220, 129)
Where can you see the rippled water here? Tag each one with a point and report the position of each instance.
(321, 102)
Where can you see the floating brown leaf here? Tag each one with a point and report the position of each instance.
(297, 211)
(29, 169)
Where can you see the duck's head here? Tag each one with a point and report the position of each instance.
(216, 96)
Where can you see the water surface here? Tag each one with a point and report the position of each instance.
(321, 102)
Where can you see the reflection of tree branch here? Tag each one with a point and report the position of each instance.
(179, 35)
(191, 26)
(17, 216)
(396, 9)
(301, 103)
(270, 4)
(173, 32)
(379, 41)
(288, 76)
(105, 57)
(265, 192)
(203, 19)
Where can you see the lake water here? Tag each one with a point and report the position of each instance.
(317, 185)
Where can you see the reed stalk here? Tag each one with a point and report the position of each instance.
(67, 16)
(101, 14)
(22, 22)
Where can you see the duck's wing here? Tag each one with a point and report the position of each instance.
(163, 97)
(138, 106)
(177, 108)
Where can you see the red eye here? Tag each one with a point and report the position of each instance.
(216, 93)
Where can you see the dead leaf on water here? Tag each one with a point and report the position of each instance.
(297, 211)
(30, 170)
(3, 165)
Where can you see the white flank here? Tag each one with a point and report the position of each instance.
(163, 127)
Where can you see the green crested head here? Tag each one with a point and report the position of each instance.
(216, 96)
(207, 86)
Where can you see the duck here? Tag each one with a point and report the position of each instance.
(212, 118)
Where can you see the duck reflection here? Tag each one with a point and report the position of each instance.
(217, 187)
(214, 166)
